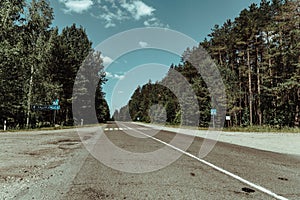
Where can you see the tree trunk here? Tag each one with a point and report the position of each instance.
(220, 58)
(240, 97)
(296, 122)
(29, 96)
(259, 113)
(250, 87)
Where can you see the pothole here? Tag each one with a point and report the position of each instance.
(248, 190)
(65, 141)
(192, 174)
(283, 179)
(37, 152)
(95, 194)
(69, 145)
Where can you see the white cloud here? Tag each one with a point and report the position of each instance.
(143, 44)
(142, 10)
(113, 12)
(114, 76)
(120, 92)
(106, 60)
(120, 77)
(154, 22)
(110, 17)
(109, 25)
(110, 12)
(138, 9)
(77, 6)
(109, 75)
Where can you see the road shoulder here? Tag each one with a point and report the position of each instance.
(287, 143)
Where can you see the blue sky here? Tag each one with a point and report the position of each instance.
(105, 18)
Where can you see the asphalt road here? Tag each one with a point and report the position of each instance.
(187, 177)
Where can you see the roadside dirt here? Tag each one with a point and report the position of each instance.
(33, 163)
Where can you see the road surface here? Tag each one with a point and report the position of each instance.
(71, 172)
(187, 178)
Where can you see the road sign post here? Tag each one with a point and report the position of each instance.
(55, 106)
(213, 112)
(228, 118)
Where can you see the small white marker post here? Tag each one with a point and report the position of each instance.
(213, 112)
(228, 118)
(4, 125)
(81, 122)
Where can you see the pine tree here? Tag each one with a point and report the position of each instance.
(72, 48)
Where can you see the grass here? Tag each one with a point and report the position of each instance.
(263, 129)
(49, 128)
(259, 129)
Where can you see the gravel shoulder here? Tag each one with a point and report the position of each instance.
(34, 163)
(287, 143)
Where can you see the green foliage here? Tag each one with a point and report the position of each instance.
(258, 57)
(38, 65)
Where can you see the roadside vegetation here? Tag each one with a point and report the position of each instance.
(252, 129)
(51, 128)
(265, 129)
(39, 63)
(258, 56)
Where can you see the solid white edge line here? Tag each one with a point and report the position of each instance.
(258, 187)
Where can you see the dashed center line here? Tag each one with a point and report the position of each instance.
(124, 129)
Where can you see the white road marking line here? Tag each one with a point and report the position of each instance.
(143, 129)
(258, 187)
(115, 129)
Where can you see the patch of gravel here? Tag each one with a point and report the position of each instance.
(34, 163)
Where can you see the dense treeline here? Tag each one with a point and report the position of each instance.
(258, 55)
(38, 65)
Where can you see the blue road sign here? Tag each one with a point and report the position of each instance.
(55, 102)
(39, 107)
(45, 107)
(213, 112)
(54, 107)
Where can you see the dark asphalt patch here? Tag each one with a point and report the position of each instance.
(92, 193)
(283, 179)
(248, 190)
